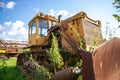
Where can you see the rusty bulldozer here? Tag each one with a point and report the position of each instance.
(75, 36)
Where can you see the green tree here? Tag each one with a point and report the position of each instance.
(54, 53)
(116, 3)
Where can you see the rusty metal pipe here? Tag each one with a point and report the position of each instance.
(67, 74)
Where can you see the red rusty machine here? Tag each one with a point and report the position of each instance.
(10, 48)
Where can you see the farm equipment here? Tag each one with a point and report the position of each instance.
(75, 36)
(9, 48)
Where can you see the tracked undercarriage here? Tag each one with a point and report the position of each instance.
(28, 62)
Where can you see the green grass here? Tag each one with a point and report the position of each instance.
(9, 71)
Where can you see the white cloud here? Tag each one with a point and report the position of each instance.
(3, 35)
(16, 26)
(52, 12)
(13, 30)
(8, 23)
(56, 13)
(10, 5)
(63, 12)
(72, 14)
(0, 27)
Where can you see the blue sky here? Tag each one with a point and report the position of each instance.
(15, 14)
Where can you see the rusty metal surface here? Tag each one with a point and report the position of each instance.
(87, 71)
(11, 50)
(106, 61)
(66, 74)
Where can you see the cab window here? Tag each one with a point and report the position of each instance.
(51, 23)
(43, 27)
(33, 27)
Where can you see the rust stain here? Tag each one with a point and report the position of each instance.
(106, 61)
(87, 72)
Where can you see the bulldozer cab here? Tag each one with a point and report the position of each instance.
(38, 34)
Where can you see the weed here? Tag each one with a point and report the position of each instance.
(55, 56)
(9, 71)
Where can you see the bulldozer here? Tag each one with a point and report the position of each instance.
(75, 36)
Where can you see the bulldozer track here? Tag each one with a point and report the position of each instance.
(27, 67)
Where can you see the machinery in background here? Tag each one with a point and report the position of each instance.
(10, 48)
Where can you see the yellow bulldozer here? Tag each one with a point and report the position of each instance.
(71, 30)
(75, 37)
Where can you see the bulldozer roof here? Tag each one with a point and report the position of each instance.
(43, 16)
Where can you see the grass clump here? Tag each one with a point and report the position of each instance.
(43, 73)
(9, 71)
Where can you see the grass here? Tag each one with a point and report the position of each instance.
(9, 71)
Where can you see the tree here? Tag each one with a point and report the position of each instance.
(54, 53)
(117, 6)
